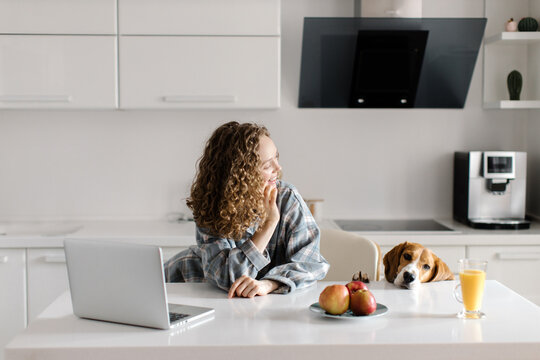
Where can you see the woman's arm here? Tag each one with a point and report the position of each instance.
(247, 286)
(306, 264)
(264, 233)
(303, 263)
(225, 260)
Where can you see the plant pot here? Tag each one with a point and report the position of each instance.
(515, 83)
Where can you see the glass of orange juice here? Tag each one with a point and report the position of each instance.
(470, 290)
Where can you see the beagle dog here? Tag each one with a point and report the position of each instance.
(409, 264)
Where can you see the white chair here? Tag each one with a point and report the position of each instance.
(348, 253)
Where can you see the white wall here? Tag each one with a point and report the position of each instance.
(364, 163)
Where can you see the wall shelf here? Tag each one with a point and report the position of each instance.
(513, 38)
(513, 104)
(507, 51)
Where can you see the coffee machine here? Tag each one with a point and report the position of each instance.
(490, 189)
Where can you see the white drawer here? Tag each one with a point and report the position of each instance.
(47, 279)
(57, 71)
(12, 294)
(200, 17)
(162, 72)
(58, 16)
(515, 266)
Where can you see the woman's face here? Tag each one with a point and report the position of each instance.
(269, 156)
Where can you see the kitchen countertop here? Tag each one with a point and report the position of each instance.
(419, 324)
(461, 235)
(182, 234)
(167, 234)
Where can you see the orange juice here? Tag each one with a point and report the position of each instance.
(472, 288)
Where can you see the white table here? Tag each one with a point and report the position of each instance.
(420, 324)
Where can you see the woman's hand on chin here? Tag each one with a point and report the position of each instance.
(246, 286)
(270, 205)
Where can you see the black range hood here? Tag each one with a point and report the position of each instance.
(388, 62)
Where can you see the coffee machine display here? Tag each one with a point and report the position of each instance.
(490, 189)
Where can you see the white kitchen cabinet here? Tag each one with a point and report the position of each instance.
(507, 51)
(57, 17)
(58, 54)
(162, 72)
(47, 278)
(199, 54)
(57, 72)
(199, 17)
(515, 266)
(12, 294)
(449, 254)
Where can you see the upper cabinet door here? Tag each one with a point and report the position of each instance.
(224, 72)
(200, 17)
(57, 17)
(60, 72)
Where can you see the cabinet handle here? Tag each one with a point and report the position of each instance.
(55, 259)
(3, 259)
(37, 98)
(518, 256)
(200, 99)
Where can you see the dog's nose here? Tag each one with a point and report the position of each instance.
(408, 277)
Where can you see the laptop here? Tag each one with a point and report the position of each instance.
(123, 283)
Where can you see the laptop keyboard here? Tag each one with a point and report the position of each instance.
(173, 317)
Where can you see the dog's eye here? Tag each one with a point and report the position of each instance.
(407, 256)
(426, 267)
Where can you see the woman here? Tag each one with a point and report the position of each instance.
(255, 235)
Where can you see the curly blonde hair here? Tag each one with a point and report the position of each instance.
(226, 194)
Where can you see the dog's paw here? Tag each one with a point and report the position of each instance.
(360, 277)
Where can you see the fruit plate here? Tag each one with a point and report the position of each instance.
(381, 310)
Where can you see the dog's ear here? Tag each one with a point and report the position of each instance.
(441, 271)
(391, 262)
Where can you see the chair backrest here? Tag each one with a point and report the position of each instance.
(348, 253)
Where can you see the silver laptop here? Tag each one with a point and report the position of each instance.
(123, 283)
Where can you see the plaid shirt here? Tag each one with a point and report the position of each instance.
(292, 256)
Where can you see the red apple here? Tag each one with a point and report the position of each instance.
(356, 285)
(363, 302)
(334, 299)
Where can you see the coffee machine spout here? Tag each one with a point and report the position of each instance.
(497, 186)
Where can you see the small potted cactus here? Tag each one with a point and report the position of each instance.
(515, 83)
(528, 24)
